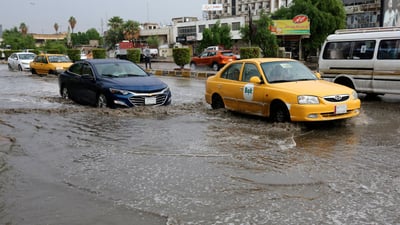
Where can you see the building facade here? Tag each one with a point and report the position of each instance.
(242, 7)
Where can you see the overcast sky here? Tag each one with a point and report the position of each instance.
(41, 15)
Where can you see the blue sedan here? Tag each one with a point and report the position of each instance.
(112, 83)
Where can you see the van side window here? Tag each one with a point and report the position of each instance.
(363, 49)
(349, 50)
(389, 49)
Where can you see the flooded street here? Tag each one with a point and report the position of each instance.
(64, 163)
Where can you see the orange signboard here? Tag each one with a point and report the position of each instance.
(299, 25)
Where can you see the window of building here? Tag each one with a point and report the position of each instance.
(187, 31)
(201, 28)
(236, 26)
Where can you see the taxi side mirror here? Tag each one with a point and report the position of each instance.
(255, 80)
(318, 75)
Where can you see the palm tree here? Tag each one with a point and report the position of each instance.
(131, 30)
(72, 23)
(56, 27)
(115, 22)
(23, 28)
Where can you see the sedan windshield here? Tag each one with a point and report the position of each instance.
(26, 56)
(118, 69)
(287, 71)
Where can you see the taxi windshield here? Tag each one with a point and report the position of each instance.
(287, 71)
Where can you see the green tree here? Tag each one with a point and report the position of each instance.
(217, 35)
(153, 41)
(259, 34)
(54, 46)
(92, 34)
(325, 17)
(17, 40)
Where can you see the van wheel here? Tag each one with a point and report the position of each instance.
(19, 68)
(215, 66)
(217, 102)
(279, 113)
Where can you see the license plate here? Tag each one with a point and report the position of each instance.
(59, 68)
(340, 109)
(150, 101)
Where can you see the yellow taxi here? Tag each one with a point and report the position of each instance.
(50, 64)
(281, 89)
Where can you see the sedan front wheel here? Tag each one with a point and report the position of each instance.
(101, 101)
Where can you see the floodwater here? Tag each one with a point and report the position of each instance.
(63, 163)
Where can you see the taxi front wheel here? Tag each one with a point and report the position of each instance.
(280, 113)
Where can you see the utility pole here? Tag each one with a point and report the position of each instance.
(250, 27)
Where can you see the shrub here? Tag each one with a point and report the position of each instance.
(250, 52)
(74, 54)
(133, 54)
(181, 56)
(99, 53)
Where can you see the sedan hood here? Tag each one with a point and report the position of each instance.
(315, 87)
(136, 84)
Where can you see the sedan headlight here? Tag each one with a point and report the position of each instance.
(118, 92)
(306, 99)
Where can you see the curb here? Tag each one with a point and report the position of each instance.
(181, 73)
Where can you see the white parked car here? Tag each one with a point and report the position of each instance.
(20, 60)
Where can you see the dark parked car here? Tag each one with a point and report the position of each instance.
(112, 83)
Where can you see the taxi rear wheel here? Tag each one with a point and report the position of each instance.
(217, 102)
(280, 113)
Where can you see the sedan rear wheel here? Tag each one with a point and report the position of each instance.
(102, 101)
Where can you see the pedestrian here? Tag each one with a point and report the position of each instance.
(147, 57)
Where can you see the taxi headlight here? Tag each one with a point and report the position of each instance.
(118, 92)
(306, 99)
(355, 95)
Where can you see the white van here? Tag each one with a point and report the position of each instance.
(366, 59)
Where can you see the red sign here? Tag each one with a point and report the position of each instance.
(300, 19)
